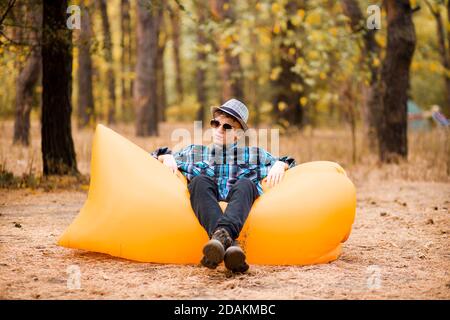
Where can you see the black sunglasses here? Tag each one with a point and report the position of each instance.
(216, 124)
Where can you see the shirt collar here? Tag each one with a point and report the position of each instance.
(229, 146)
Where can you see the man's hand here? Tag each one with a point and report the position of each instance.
(169, 160)
(276, 173)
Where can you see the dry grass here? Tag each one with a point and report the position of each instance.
(428, 158)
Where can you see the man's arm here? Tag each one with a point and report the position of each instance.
(172, 160)
(277, 168)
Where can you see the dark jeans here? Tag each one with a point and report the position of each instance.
(204, 200)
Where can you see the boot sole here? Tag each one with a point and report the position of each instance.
(213, 252)
(235, 259)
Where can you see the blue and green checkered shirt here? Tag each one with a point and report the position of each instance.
(225, 164)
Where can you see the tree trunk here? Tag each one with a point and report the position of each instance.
(125, 43)
(160, 72)
(401, 40)
(58, 151)
(145, 87)
(254, 92)
(448, 31)
(348, 100)
(445, 57)
(28, 79)
(132, 49)
(230, 71)
(85, 97)
(107, 44)
(371, 50)
(201, 60)
(174, 14)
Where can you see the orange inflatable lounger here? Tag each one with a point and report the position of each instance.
(139, 210)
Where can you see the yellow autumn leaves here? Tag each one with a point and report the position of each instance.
(312, 19)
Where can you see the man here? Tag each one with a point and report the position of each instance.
(226, 172)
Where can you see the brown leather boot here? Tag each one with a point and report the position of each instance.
(214, 250)
(235, 258)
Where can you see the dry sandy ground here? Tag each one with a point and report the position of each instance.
(399, 249)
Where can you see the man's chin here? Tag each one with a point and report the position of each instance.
(218, 141)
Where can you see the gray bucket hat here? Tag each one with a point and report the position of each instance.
(236, 109)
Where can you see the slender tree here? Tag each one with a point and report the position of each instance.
(253, 86)
(58, 151)
(444, 52)
(401, 40)
(448, 31)
(85, 97)
(8, 5)
(29, 76)
(160, 71)
(125, 44)
(175, 21)
(107, 45)
(371, 52)
(145, 87)
(200, 76)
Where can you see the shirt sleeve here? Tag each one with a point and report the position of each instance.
(184, 159)
(269, 160)
(160, 151)
(286, 159)
(183, 155)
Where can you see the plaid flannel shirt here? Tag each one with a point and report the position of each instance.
(225, 164)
